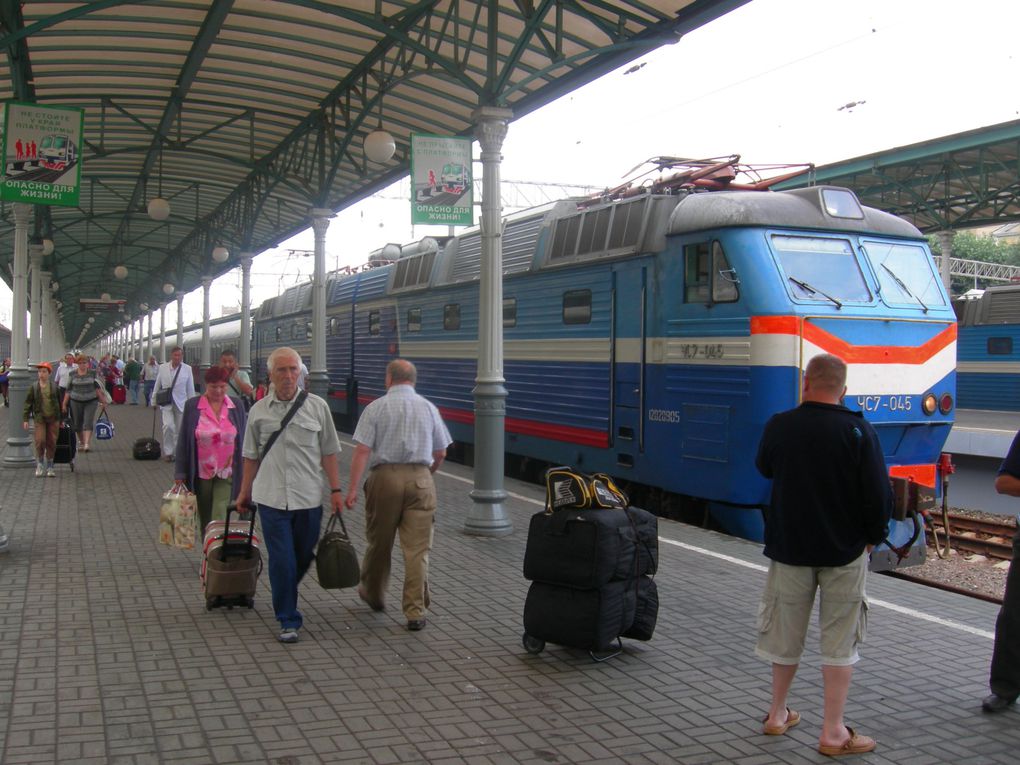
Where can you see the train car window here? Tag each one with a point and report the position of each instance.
(374, 323)
(1000, 346)
(308, 329)
(905, 273)
(509, 312)
(414, 320)
(451, 316)
(577, 307)
(334, 325)
(820, 269)
(279, 332)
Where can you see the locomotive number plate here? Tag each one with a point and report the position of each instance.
(886, 403)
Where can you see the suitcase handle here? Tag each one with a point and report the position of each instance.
(232, 508)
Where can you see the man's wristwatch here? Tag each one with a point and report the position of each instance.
(336, 491)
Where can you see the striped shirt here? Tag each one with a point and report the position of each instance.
(402, 428)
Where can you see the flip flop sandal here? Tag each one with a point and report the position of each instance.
(792, 718)
(856, 744)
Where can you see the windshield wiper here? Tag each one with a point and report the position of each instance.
(904, 287)
(812, 291)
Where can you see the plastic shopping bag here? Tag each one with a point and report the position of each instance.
(177, 518)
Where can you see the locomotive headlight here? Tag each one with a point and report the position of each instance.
(929, 403)
(945, 403)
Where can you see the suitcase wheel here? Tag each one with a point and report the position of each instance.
(532, 644)
(72, 466)
(251, 603)
(210, 604)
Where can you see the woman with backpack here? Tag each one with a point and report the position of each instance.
(84, 391)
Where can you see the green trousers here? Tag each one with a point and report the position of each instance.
(213, 495)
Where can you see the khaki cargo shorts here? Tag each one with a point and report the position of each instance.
(786, 606)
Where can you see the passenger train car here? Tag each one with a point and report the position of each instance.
(652, 335)
(988, 363)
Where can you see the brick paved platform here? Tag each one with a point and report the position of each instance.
(107, 654)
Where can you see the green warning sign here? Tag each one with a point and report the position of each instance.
(441, 186)
(42, 154)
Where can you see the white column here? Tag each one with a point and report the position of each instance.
(318, 376)
(148, 342)
(487, 516)
(244, 343)
(180, 319)
(19, 443)
(131, 338)
(946, 243)
(206, 349)
(35, 325)
(46, 352)
(162, 333)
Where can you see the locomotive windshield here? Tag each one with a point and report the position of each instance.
(905, 274)
(821, 269)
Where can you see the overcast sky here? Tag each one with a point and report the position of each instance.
(777, 81)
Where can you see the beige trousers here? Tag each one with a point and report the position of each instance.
(399, 499)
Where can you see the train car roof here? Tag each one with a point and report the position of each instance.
(814, 207)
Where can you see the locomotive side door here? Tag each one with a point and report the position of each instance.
(627, 362)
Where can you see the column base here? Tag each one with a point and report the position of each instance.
(487, 517)
(5, 542)
(20, 450)
(318, 383)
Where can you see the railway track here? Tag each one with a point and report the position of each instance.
(993, 539)
(944, 586)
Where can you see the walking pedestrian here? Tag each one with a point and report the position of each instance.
(402, 440)
(42, 406)
(177, 384)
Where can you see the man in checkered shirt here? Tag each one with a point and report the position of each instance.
(402, 440)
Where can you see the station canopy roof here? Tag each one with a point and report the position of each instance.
(244, 115)
(957, 181)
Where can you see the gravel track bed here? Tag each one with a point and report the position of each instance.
(975, 573)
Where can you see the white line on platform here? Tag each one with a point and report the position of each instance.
(759, 567)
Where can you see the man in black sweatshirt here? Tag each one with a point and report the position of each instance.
(830, 505)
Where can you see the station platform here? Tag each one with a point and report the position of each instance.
(982, 433)
(107, 654)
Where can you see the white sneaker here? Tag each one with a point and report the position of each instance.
(288, 635)
(39, 471)
(51, 473)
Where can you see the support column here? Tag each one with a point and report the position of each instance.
(148, 342)
(19, 442)
(487, 516)
(46, 351)
(946, 243)
(35, 311)
(131, 339)
(162, 333)
(206, 345)
(180, 320)
(318, 376)
(244, 342)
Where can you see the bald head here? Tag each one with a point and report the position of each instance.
(401, 372)
(825, 379)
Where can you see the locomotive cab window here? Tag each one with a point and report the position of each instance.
(451, 316)
(905, 273)
(819, 269)
(708, 277)
(414, 320)
(577, 307)
(1000, 346)
(374, 323)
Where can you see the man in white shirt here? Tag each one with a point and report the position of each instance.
(175, 377)
(64, 368)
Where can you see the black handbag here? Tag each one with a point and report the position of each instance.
(166, 397)
(336, 560)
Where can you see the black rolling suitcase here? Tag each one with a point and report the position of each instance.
(147, 448)
(591, 570)
(67, 446)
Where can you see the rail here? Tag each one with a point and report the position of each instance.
(986, 537)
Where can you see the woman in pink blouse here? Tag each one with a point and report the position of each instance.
(208, 454)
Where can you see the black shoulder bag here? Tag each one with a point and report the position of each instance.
(166, 397)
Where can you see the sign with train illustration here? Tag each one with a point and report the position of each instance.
(42, 154)
(441, 184)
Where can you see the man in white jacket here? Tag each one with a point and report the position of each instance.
(175, 377)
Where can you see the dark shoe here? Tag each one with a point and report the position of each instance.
(414, 625)
(995, 703)
(371, 603)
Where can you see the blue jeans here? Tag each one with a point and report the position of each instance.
(290, 537)
(149, 385)
(133, 390)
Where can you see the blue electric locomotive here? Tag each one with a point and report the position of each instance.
(650, 335)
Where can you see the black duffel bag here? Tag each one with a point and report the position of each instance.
(336, 560)
(146, 449)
